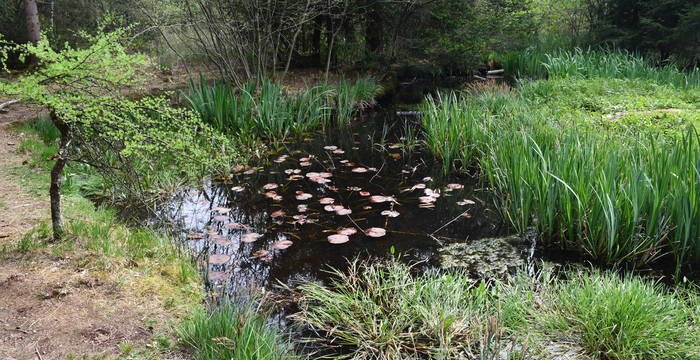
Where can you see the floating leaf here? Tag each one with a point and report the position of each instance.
(364, 193)
(367, 207)
(455, 186)
(278, 213)
(292, 171)
(347, 231)
(250, 237)
(467, 215)
(195, 236)
(379, 199)
(333, 208)
(343, 212)
(221, 218)
(338, 239)
(390, 213)
(304, 163)
(238, 188)
(375, 232)
(295, 177)
(282, 244)
(221, 210)
(235, 226)
(270, 194)
(338, 151)
(302, 208)
(270, 186)
(427, 178)
(219, 259)
(465, 202)
(326, 201)
(359, 170)
(331, 147)
(218, 276)
(303, 196)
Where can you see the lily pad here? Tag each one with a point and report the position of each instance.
(282, 244)
(250, 237)
(375, 232)
(219, 259)
(338, 239)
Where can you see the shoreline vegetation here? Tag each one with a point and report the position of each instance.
(583, 124)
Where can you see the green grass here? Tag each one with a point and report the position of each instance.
(627, 318)
(584, 161)
(272, 112)
(384, 311)
(233, 331)
(540, 62)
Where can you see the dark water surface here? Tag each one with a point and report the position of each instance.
(215, 221)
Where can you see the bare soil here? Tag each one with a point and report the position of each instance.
(51, 307)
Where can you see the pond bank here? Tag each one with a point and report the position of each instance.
(93, 295)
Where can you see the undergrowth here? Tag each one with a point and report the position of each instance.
(381, 310)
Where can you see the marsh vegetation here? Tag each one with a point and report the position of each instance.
(538, 197)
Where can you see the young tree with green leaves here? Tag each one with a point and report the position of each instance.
(89, 94)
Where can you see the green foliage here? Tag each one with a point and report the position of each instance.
(623, 318)
(273, 112)
(549, 152)
(382, 311)
(127, 140)
(540, 62)
(233, 331)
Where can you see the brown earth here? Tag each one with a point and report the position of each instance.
(50, 306)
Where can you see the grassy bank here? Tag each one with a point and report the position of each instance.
(381, 310)
(607, 163)
(272, 112)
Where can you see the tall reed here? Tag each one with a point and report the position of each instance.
(273, 112)
(539, 62)
(617, 198)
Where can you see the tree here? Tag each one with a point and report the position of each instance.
(33, 25)
(85, 91)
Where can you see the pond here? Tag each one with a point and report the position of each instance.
(362, 191)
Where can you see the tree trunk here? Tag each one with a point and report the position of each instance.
(33, 25)
(57, 178)
(374, 29)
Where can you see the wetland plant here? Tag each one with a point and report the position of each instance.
(617, 197)
(233, 331)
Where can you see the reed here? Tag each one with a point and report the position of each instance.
(618, 198)
(270, 111)
(541, 62)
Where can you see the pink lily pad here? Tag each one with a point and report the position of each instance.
(250, 237)
(303, 196)
(270, 186)
(302, 208)
(465, 202)
(364, 193)
(375, 232)
(347, 231)
(221, 218)
(338, 239)
(330, 147)
(237, 188)
(359, 170)
(260, 253)
(390, 213)
(218, 276)
(219, 259)
(235, 226)
(326, 201)
(278, 213)
(455, 186)
(282, 244)
(343, 212)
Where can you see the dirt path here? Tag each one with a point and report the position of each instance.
(51, 307)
